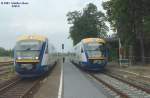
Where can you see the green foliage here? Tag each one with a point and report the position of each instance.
(147, 28)
(87, 23)
(120, 17)
(131, 20)
(4, 52)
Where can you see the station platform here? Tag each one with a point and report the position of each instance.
(77, 85)
(50, 85)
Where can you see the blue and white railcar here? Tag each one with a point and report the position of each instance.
(91, 54)
(33, 55)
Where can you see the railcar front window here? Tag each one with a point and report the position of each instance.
(27, 54)
(94, 49)
(28, 45)
(94, 53)
(28, 49)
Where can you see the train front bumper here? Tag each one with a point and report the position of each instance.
(95, 66)
(36, 70)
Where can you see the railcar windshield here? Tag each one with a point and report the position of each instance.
(28, 49)
(94, 49)
(28, 45)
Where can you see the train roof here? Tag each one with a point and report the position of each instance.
(89, 40)
(32, 37)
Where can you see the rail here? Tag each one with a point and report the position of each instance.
(6, 67)
(122, 87)
(118, 86)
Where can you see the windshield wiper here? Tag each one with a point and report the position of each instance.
(28, 49)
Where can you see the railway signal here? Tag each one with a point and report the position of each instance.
(63, 53)
(62, 46)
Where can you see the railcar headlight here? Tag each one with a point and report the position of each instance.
(19, 58)
(36, 58)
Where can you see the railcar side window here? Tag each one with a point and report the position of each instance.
(81, 50)
(46, 49)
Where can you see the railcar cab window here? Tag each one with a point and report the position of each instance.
(28, 49)
(94, 49)
(82, 50)
(46, 49)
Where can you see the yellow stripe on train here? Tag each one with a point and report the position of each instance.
(27, 60)
(93, 40)
(32, 37)
(97, 58)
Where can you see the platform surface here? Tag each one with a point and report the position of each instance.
(77, 85)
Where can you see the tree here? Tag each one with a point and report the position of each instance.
(4, 52)
(87, 23)
(130, 18)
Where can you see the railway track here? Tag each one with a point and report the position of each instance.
(4, 72)
(7, 82)
(19, 88)
(5, 67)
(6, 63)
(118, 88)
(109, 89)
(141, 80)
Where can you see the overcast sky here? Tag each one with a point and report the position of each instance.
(47, 17)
